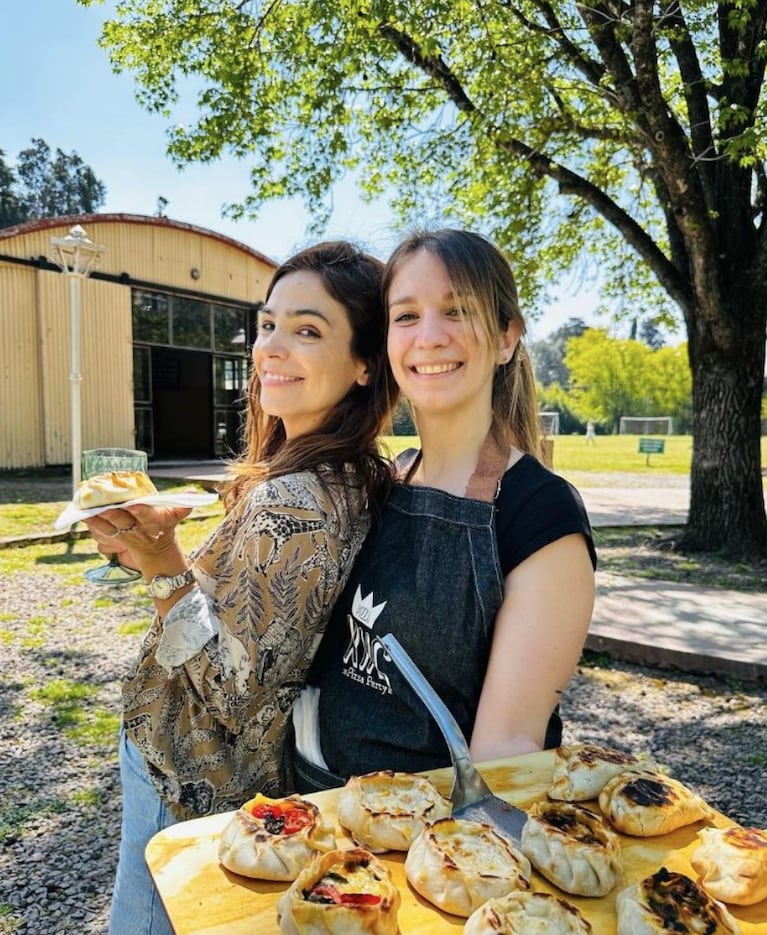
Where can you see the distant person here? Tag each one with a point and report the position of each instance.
(591, 436)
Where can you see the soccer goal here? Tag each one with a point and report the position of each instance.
(647, 425)
(549, 423)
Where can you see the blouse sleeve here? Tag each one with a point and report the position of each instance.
(270, 575)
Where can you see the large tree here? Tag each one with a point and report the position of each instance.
(628, 134)
(46, 184)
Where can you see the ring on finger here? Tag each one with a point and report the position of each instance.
(126, 530)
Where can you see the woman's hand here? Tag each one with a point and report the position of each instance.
(136, 534)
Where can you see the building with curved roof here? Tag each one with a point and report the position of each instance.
(167, 319)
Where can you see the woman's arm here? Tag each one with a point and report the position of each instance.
(274, 572)
(539, 633)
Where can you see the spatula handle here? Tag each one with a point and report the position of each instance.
(468, 784)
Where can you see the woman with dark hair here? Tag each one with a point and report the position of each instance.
(482, 563)
(238, 622)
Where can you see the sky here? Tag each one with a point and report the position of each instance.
(59, 86)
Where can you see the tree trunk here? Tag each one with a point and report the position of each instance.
(727, 509)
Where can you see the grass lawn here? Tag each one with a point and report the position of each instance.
(30, 501)
(609, 453)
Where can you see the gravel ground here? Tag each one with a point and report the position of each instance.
(59, 791)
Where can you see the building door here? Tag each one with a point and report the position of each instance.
(182, 396)
(190, 371)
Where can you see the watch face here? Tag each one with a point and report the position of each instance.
(162, 588)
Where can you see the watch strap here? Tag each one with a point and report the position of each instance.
(163, 586)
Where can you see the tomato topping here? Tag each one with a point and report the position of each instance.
(282, 821)
(296, 819)
(261, 811)
(360, 899)
(327, 893)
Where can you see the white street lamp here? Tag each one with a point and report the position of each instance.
(77, 257)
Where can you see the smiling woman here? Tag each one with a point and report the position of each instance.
(303, 353)
(482, 562)
(206, 707)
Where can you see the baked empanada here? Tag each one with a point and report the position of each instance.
(343, 892)
(572, 847)
(646, 804)
(458, 865)
(671, 902)
(386, 811)
(582, 770)
(272, 839)
(732, 863)
(526, 913)
(112, 487)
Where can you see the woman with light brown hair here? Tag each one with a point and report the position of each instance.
(482, 563)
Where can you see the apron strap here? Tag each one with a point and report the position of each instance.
(485, 482)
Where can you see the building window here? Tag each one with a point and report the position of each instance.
(151, 317)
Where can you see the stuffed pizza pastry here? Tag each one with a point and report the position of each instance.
(112, 487)
(671, 902)
(572, 847)
(646, 804)
(386, 811)
(732, 863)
(343, 892)
(458, 865)
(526, 913)
(272, 839)
(581, 770)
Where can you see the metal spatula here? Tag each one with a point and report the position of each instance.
(470, 794)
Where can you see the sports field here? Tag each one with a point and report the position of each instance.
(608, 453)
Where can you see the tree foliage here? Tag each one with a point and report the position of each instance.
(628, 134)
(548, 356)
(610, 378)
(45, 184)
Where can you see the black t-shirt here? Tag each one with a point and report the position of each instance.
(530, 496)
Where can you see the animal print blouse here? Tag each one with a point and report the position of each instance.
(209, 701)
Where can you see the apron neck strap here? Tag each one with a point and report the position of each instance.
(485, 482)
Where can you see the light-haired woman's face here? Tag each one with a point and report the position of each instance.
(441, 360)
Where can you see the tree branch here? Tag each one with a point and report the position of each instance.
(434, 66)
(570, 183)
(695, 94)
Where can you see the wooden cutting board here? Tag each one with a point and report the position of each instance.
(202, 898)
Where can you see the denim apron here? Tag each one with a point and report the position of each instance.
(430, 574)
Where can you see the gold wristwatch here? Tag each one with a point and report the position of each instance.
(162, 586)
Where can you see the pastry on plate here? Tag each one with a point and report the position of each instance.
(385, 810)
(458, 864)
(732, 863)
(572, 847)
(646, 804)
(272, 839)
(526, 913)
(112, 487)
(671, 902)
(343, 892)
(581, 770)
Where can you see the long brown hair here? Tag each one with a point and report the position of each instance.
(349, 433)
(483, 281)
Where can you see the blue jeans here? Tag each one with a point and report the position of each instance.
(136, 905)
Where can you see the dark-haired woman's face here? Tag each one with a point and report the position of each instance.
(302, 354)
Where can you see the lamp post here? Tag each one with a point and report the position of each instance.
(77, 256)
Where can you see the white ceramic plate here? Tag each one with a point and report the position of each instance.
(71, 514)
